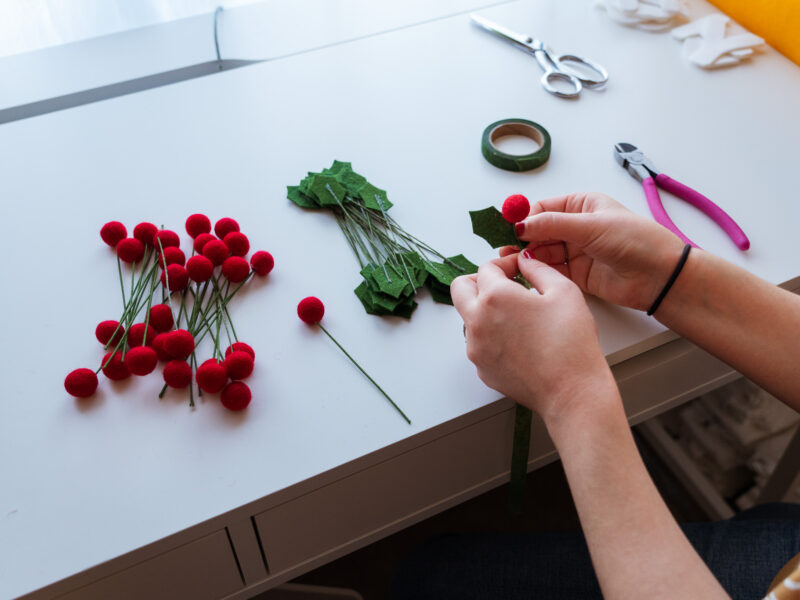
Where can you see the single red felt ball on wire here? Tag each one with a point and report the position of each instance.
(516, 208)
(236, 396)
(177, 275)
(168, 239)
(211, 376)
(237, 243)
(262, 262)
(159, 345)
(201, 240)
(113, 232)
(235, 269)
(145, 232)
(311, 310)
(109, 332)
(141, 360)
(177, 374)
(216, 251)
(199, 268)
(179, 343)
(115, 370)
(239, 364)
(81, 383)
(161, 317)
(172, 256)
(197, 224)
(241, 346)
(130, 250)
(136, 335)
(224, 226)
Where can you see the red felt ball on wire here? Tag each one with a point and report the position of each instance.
(224, 226)
(161, 317)
(172, 256)
(197, 224)
(168, 239)
(199, 268)
(311, 310)
(236, 396)
(201, 240)
(211, 376)
(516, 208)
(141, 360)
(177, 275)
(241, 346)
(130, 250)
(177, 374)
(109, 332)
(235, 269)
(216, 251)
(239, 364)
(136, 335)
(179, 343)
(237, 243)
(262, 262)
(81, 383)
(159, 346)
(116, 370)
(113, 232)
(145, 232)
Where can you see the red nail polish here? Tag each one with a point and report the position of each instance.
(528, 254)
(519, 228)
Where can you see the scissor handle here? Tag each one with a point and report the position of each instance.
(589, 73)
(554, 77)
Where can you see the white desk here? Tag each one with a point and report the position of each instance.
(128, 493)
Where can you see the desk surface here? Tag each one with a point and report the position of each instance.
(86, 482)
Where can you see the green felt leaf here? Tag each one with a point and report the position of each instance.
(415, 265)
(388, 280)
(305, 184)
(344, 174)
(491, 226)
(373, 197)
(445, 272)
(327, 191)
(465, 264)
(377, 303)
(295, 195)
(405, 309)
(439, 292)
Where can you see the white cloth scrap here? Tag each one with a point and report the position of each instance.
(706, 44)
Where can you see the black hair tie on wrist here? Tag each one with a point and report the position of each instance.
(671, 280)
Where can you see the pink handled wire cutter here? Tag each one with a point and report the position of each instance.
(641, 168)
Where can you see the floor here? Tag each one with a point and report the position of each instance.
(548, 507)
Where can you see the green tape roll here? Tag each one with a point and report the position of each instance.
(512, 162)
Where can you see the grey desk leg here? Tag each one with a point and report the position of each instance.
(785, 472)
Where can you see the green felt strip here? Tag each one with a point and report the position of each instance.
(519, 459)
(515, 162)
(491, 226)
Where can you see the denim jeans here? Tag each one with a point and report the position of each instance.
(744, 553)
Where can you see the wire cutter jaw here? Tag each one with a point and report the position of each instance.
(631, 158)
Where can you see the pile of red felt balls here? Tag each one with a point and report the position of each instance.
(157, 337)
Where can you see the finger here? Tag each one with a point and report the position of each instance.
(572, 203)
(464, 291)
(551, 254)
(497, 272)
(579, 229)
(508, 250)
(541, 276)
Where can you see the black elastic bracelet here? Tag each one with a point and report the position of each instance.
(671, 280)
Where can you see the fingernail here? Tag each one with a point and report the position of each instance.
(528, 254)
(519, 228)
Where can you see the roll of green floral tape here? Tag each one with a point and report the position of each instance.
(515, 162)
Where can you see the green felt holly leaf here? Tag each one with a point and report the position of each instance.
(405, 309)
(466, 267)
(377, 303)
(445, 272)
(413, 262)
(295, 195)
(344, 174)
(491, 226)
(326, 190)
(388, 280)
(439, 292)
(373, 197)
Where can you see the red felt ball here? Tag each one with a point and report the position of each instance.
(141, 360)
(145, 232)
(136, 335)
(216, 251)
(201, 240)
(310, 310)
(159, 345)
(130, 250)
(178, 277)
(179, 343)
(516, 208)
(236, 396)
(199, 268)
(235, 269)
(177, 374)
(224, 226)
(81, 383)
(239, 364)
(116, 370)
(161, 317)
(168, 239)
(197, 224)
(241, 346)
(237, 243)
(172, 256)
(113, 232)
(262, 262)
(211, 376)
(106, 332)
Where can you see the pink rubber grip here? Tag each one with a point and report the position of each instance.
(658, 212)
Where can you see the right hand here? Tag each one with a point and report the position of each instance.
(613, 253)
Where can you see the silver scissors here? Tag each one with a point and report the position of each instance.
(565, 75)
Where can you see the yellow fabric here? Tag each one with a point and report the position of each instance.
(777, 21)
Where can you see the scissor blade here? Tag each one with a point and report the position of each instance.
(500, 31)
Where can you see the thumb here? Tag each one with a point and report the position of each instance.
(575, 228)
(540, 275)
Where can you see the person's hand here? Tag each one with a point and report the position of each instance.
(603, 247)
(541, 349)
